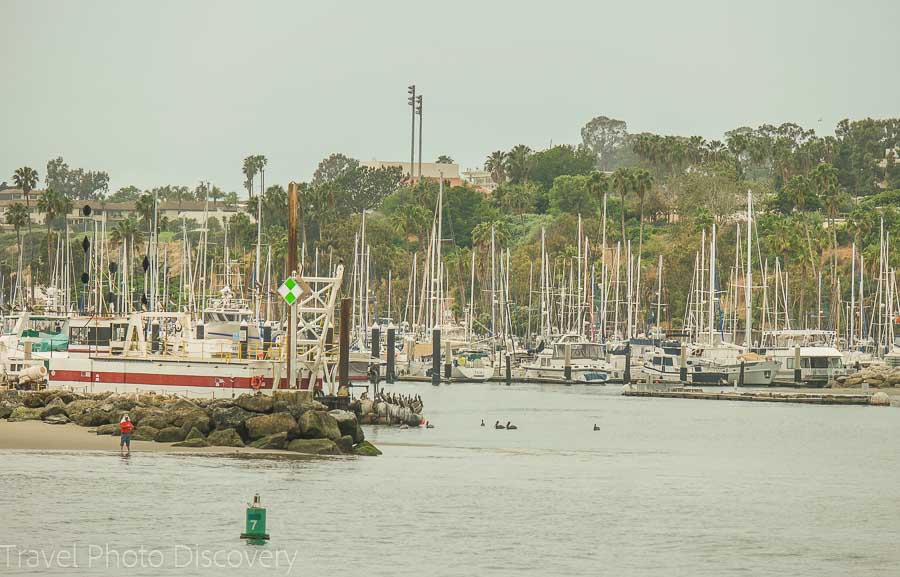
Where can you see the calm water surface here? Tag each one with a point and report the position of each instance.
(665, 487)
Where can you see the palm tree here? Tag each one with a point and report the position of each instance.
(252, 166)
(825, 178)
(518, 164)
(261, 162)
(128, 230)
(215, 194)
(249, 169)
(53, 204)
(409, 220)
(496, 165)
(144, 207)
(17, 216)
(796, 189)
(26, 178)
(622, 183)
(642, 183)
(519, 199)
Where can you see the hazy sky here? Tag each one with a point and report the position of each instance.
(174, 92)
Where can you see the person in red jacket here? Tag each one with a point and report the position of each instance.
(126, 427)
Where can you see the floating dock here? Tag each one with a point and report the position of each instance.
(751, 396)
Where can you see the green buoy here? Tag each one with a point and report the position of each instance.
(255, 528)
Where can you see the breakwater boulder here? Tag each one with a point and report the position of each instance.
(314, 447)
(276, 441)
(225, 438)
(266, 425)
(24, 413)
(319, 425)
(878, 376)
(348, 425)
(285, 420)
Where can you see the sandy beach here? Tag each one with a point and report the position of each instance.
(40, 436)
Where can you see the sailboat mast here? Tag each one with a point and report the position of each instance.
(748, 297)
(712, 281)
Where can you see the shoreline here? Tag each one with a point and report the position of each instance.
(41, 436)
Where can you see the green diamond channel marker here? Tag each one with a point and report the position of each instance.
(290, 291)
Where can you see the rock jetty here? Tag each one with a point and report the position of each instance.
(285, 420)
(877, 376)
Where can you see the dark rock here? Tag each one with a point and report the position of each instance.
(366, 449)
(140, 413)
(109, 430)
(276, 441)
(195, 442)
(55, 402)
(145, 433)
(33, 400)
(92, 418)
(57, 420)
(265, 425)
(124, 405)
(6, 409)
(191, 419)
(51, 410)
(79, 406)
(225, 438)
(24, 413)
(314, 446)
(170, 435)
(345, 444)
(180, 404)
(220, 404)
(157, 421)
(63, 396)
(230, 417)
(258, 403)
(319, 425)
(348, 425)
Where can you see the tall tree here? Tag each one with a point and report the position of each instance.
(252, 166)
(622, 183)
(518, 164)
(53, 204)
(496, 165)
(605, 136)
(333, 167)
(444, 159)
(17, 216)
(26, 178)
(643, 181)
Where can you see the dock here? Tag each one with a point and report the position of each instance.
(678, 392)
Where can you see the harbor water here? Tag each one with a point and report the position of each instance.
(664, 487)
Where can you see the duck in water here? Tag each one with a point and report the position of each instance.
(497, 425)
(510, 426)
(482, 422)
(596, 428)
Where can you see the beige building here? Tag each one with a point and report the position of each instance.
(480, 179)
(432, 170)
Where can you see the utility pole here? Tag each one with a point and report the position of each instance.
(411, 90)
(419, 112)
